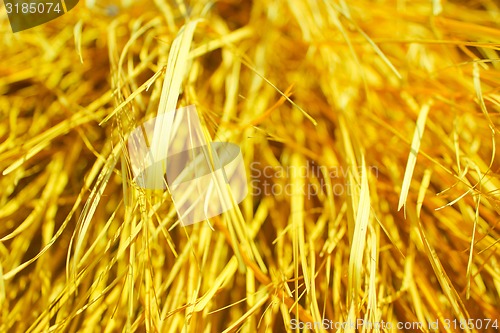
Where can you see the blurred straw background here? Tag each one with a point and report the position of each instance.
(369, 130)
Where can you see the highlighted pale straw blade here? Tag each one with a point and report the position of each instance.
(412, 158)
(205, 179)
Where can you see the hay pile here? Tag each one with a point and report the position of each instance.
(370, 134)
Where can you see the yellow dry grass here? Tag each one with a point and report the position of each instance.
(369, 131)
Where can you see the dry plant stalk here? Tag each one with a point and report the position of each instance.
(370, 135)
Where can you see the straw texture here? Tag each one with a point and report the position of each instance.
(369, 132)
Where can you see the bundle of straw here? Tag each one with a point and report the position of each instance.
(369, 132)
